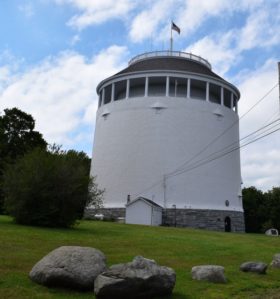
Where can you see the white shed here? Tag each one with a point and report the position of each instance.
(143, 211)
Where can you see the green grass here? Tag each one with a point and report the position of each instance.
(22, 246)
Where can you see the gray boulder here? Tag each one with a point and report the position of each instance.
(256, 267)
(276, 261)
(141, 278)
(71, 267)
(211, 273)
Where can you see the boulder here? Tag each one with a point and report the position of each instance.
(276, 261)
(141, 278)
(211, 273)
(256, 267)
(71, 267)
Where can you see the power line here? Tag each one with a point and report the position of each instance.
(150, 187)
(268, 126)
(226, 130)
(259, 101)
(201, 162)
(224, 154)
(214, 140)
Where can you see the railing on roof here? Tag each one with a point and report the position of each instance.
(170, 54)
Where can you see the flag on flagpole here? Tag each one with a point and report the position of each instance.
(175, 27)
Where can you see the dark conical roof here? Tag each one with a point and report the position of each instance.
(169, 63)
(166, 61)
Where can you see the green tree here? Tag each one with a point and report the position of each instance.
(50, 188)
(254, 205)
(17, 136)
(273, 207)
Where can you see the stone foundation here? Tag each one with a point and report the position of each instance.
(203, 219)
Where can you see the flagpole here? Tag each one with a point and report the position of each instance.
(171, 39)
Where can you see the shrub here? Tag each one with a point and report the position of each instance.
(49, 188)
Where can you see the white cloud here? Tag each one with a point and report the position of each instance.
(60, 93)
(154, 19)
(259, 30)
(260, 160)
(75, 39)
(224, 49)
(27, 10)
(146, 23)
(9, 65)
(96, 12)
(217, 50)
(196, 12)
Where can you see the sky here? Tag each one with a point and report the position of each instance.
(53, 53)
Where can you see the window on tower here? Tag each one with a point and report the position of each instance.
(137, 87)
(235, 102)
(227, 98)
(198, 89)
(215, 93)
(157, 86)
(178, 87)
(108, 94)
(120, 90)
(100, 99)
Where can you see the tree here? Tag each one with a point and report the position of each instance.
(17, 134)
(254, 209)
(17, 137)
(50, 188)
(273, 207)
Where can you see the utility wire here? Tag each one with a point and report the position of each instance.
(226, 130)
(214, 140)
(234, 144)
(224, 154)
(206, 161)
(150, 187)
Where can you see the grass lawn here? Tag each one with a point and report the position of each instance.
(22, 246)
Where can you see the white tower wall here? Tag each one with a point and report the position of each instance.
(158, 122)
(137, 145)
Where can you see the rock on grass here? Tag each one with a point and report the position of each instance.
(141, 278)
(71, 267)
(211, 273)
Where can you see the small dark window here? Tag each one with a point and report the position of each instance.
(215, 93)
(100, 99)
(137, 87)
(234, 102)
(108, 94)
(157, 86)
(120, 90)
(227, 224)
(178, 87)
(198, 89)
(227, 98)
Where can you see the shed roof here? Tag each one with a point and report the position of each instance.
(148, 201)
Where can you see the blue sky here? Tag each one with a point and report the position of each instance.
(53, 53)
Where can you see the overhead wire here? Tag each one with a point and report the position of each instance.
(260, 131)
(223, 132)
(178, 169)
(226, 153)
(222, 154)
